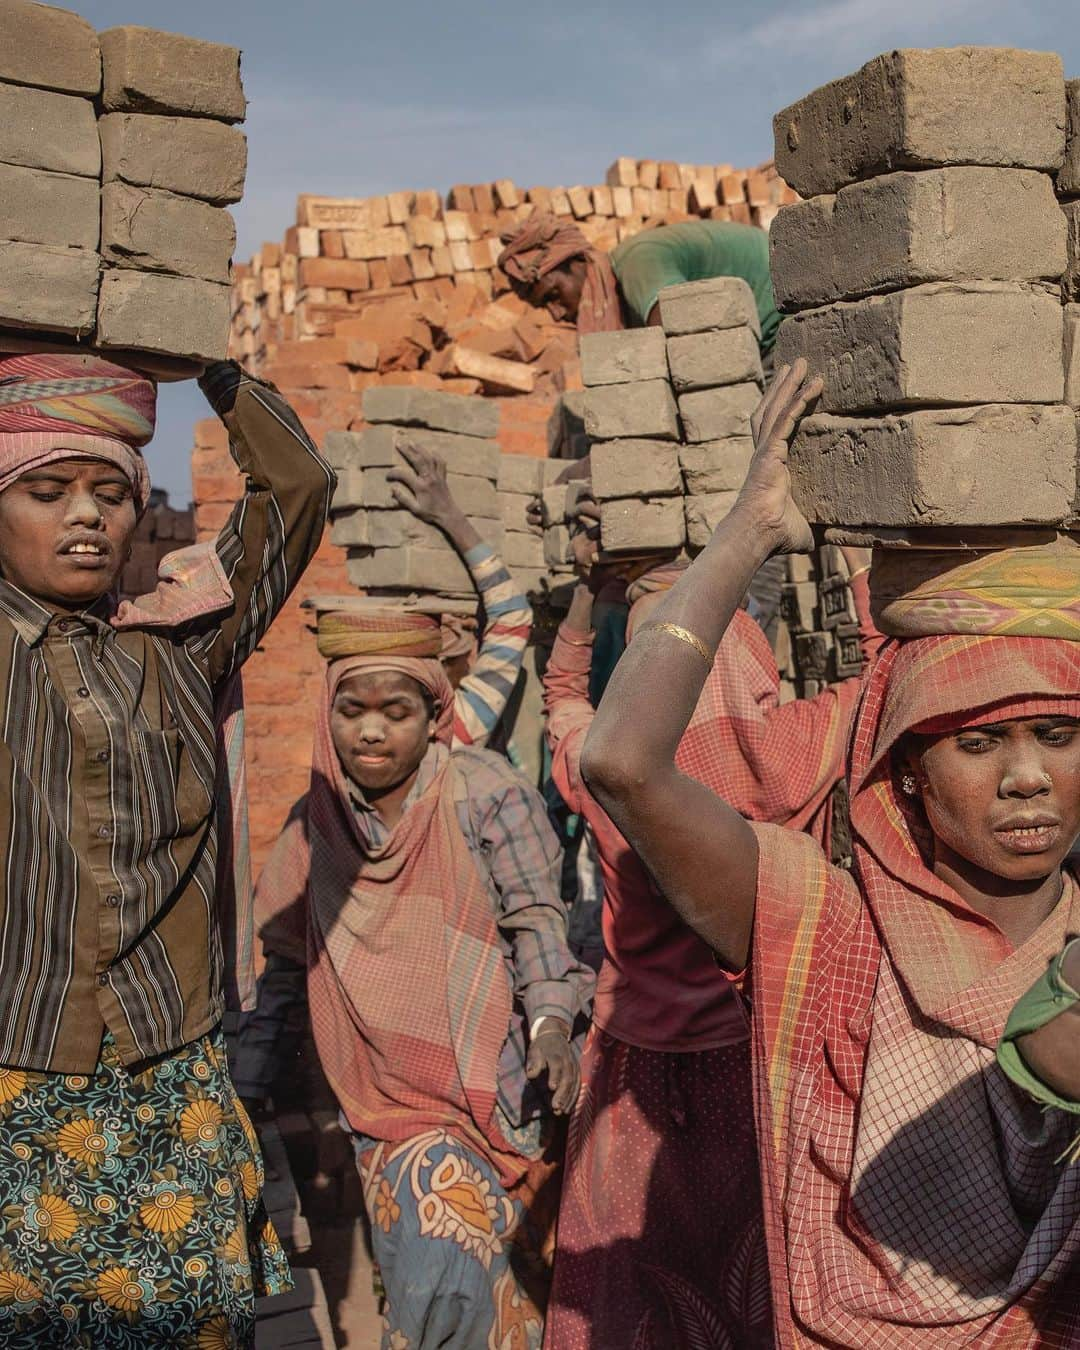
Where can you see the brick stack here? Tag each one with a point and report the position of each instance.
(521, 479)
(1068, 190)
(922, 277)
(389, 549)
(113, 227)
(819, 638)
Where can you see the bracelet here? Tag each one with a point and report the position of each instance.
(575, 642)
(685, 635)
(858, 571)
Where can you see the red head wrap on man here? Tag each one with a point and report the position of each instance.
(545, 242)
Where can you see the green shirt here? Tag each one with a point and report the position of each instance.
(696, 251)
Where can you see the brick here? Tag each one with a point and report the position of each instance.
(380, 243)
(406, 569)
(1071, 352)
(1068, 179)
(342, 213)
(901, 229)
(630, 524)
(162, 232)
(521, 474)
(1070, 282)
(922, 109)
(798, 605)
(716, 466)
(380, 447)
(701, 306)
(334, 273)
(48, 208)
(524, 549)
(556, 549)
(623, 173)
(947, 466)
(703, 514)
(705, 360)
(513, 507)
(44, 130)
(646, 408)
(620, 357)
(397, 529)
(847, 652)
(49, 48)
(149, 71)
(441, 412)
(837, 606)
(946, 342)
(192, 156)
(349, 529)
(177, 316)
(349, 491)
(718, 414)
(347, 351)
(496, 374)
(54, 289)
(632, 468)
(558, 501)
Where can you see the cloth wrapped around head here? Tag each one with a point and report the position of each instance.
(458, 636)
(545, 242)
(65, 405)
(385, 639)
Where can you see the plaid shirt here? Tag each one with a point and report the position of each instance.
(517, 855)
(107, 758)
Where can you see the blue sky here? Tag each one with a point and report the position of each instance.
(357, 97)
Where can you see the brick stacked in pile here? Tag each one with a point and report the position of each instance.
(922, 278)
(537, 559)
(389, 549)
(819, 637)
(1068, 190)
(117, 159)
(403, 288)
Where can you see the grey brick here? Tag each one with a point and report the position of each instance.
(902, 229)
(925, 108)
(623, 356)
(349, 490)
(705, 360)
(1068, 179)
(631, 410)
(558, 501)
(380, 447)
(947, 342)
(798, 605)
(1072, 355)
(702, 306)
(177, 316)
(1002, 464)
(633, 468)
(629, 524)
(1070, 282)
(556, 546)
(162, 232)
(407, 569)
(54, 289)
(463, 413)
(703, 514)
(49, 48)
(193, 156)
(44, 130)
(716, 466)
(521, 474)
(513, 507)
(718, 414)
(837, 606)
(149, 71)
(49, 208)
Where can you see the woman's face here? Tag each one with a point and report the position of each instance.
(381, 726)
(1003, 801)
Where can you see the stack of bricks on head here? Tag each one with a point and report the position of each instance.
(923, 279)
(118, 156)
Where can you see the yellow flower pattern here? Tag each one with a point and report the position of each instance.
(119, 1189)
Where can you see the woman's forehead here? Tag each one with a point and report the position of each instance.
(380, 684)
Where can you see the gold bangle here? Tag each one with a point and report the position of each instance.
(685, 635)
(858, 571)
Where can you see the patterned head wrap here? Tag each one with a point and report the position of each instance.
(545, 242)
(1027, 591)
(458, 636)
(57, 406)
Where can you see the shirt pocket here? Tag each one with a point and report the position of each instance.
(176, 801)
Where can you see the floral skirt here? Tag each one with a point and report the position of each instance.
(130, 1207)
(661, 1240)
(465, 1264)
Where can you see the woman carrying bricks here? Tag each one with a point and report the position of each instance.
(419, 889)
(131, 1211)
(916, 1185)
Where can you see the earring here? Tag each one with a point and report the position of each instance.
(908, 784)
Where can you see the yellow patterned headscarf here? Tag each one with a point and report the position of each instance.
(1028, 591)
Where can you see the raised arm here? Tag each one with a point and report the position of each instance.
(483, 693)
(701, 853)
(275, 528)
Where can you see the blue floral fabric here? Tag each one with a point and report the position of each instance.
(130, 1207)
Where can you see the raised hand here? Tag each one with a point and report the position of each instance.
(422, 487)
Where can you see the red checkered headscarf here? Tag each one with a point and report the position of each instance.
(545, 242)
(65, 405)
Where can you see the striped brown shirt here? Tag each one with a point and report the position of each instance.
(107, 771)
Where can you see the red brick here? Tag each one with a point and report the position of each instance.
(352, 275)
(331, 244)
(307, 375)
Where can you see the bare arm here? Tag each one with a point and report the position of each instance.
(1053, 1052)
(701, 853)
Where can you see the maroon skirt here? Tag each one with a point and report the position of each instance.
(661, 1243)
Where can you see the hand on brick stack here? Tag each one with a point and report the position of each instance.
(420, 486)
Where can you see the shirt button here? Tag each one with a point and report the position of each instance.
(102, 756)
(82, 691)
(112, 901)
(104, 832)
(103, 981)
